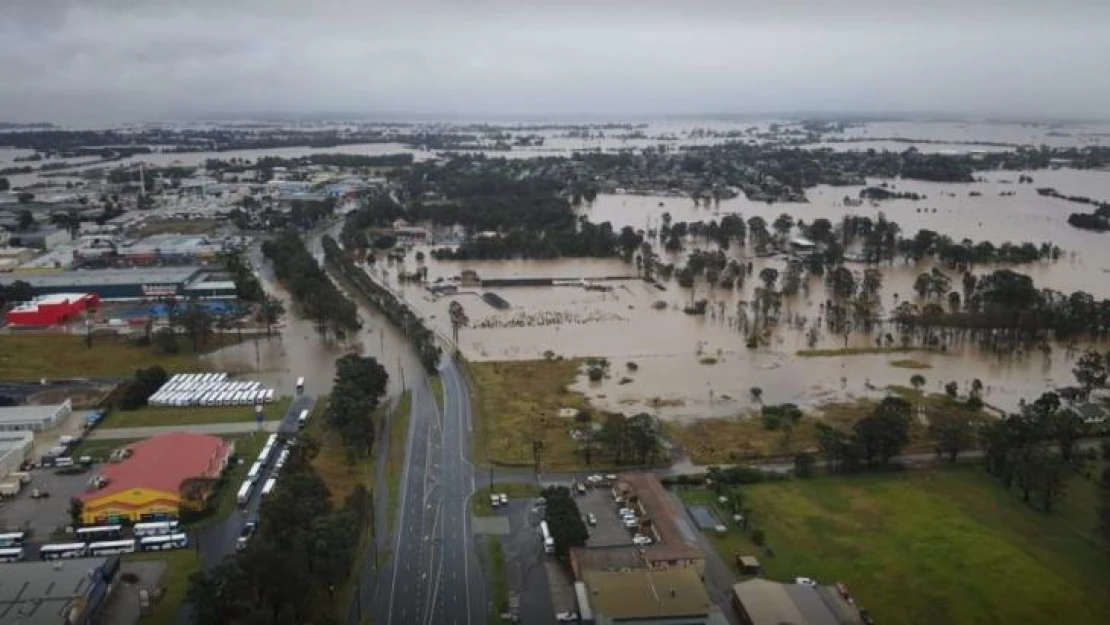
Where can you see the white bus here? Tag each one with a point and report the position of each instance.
(163, 543)
(14, 539)
(548, 541)
(252, 475)
(244, 494)
(269, 486)
(62, 550)
(300, 386)
(100, 532)
(112, 547)
(12, 554)
(157, 528)
(302, 420)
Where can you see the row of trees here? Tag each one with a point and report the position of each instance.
(138, 390)
(17, 291)
(360, 383)
(309, 285)
(873, 441)
(299, 555)
(1034, 452)
(247, 287)
(564, 520)
(398, 313)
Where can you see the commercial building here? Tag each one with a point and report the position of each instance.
(51, 310)
(128, 284)
(763, 602)
(676, 543)
(645, 598)
(53, 593)
(33, 418)
(15, 447)
(147, 485)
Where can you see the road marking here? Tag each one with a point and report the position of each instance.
(401, 523)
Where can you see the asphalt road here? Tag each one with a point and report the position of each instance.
(218, 541)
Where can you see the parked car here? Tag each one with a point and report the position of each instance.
(611, 477)
(631, 523)
(591, 519)
(504, 499)
(566, 617)
(494, 500)
(245, 535)
(640, 540)
(39, 494)
(624, 511)
(804, 581)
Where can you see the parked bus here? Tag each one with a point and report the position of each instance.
(300, 386)
(100, 532)
(244, 494)
(157, 528)
(62, 550)
(112, 547)
(13, 554)
(163, 543)
(302, 420)
(252, 474)
(269, 486)
(14, 539)
(548, 541)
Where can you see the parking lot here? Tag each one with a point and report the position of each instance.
(44, 515)
(609, 531)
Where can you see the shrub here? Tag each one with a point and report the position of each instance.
(758, 537)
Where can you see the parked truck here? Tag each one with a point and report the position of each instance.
(10, 487)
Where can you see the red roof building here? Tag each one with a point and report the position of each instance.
(52, 310)
(147, 484)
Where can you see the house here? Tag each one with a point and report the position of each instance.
(676, 543)
(646, 597)
(147, 485)
(763, 602)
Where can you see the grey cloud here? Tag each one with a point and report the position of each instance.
(117, 60)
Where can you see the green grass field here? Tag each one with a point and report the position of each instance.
(516, 400)
(395, 462)
(927, 547)
(180, 564)
(193, 415)
(50, 355)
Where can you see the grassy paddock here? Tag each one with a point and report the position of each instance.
(860, 351)
(519, 400)
(744, 439)
(939, 546)
(479, 501)
(52, 355)
(910, 363)
(180, 564)
(193, 415)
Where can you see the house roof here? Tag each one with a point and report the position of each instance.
(163, 462)
(767, 603)
(677, 539)
(668, 593)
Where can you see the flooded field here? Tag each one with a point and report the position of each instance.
(636, 322)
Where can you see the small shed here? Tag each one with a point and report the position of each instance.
(749, 565)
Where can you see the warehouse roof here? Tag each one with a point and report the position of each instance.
(668, 593)
(163, 462)
(23, 414)
(103, 277)
(41, 593)
(50, 300)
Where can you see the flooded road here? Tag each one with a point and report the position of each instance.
(297, 350)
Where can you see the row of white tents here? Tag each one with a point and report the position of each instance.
(210, 389)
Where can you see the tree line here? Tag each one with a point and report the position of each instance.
(17, 291)
(360, 383)
(399, 314)
(300, 555)
(564, 520)
(310, 286)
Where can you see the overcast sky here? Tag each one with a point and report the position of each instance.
(139, 60)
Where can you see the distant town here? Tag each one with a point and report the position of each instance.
(755, 372)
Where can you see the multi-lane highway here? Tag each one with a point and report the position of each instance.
(433, 575)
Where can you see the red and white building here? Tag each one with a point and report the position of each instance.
(52, 310)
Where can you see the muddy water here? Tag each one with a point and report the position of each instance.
(669, 346)
(297, 350)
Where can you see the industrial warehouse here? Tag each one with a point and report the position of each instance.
(129, 284)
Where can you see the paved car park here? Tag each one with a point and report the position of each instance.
(46, 514)
(609, 531)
